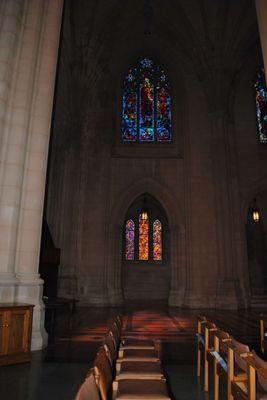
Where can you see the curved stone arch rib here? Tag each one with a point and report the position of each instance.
(170, 204)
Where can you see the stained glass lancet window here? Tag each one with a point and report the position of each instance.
(261, 106)
(129, 233)
(143, 237)
(157, 240)
(146, 104)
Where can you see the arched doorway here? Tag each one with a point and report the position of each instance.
(146, 266)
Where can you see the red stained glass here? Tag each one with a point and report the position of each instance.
(157, 241)
(143, 238)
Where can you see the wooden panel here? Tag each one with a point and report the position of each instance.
(17, 321)
(3, 333)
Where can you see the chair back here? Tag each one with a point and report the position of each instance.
(109, 341)
(260, 365)
(116, 334)
(210, 330)
(88, 389)
(103, 374)
(240, 349)
(224, 339)
(201, 320)
(118, 321)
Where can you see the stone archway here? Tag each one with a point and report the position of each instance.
(146, 280)
(175, 217)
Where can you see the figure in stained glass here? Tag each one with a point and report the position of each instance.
(146, 104)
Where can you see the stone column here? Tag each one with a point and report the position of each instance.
(178, 266)
(11, 14)
(32, 197)
(26, 137)
(261, 7)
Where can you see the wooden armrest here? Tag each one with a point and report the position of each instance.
(250, 360)
(240, 378)
(240, 353)
(226, 340)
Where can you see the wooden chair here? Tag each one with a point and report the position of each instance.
(255, 385)
(126, 388)
(129, 343)
(138, 369)
(222, 340)
(88, 389)
(205, 336)
(238, 353)
(200, 342)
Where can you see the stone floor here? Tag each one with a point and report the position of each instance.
(42, 380)
(57, 372)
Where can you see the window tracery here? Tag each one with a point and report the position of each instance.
(146, 104)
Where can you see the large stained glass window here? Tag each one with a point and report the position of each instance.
(146, 104)
(157, 241)
(129, 233)
(147, 240)
(261, 106)
(143, 237)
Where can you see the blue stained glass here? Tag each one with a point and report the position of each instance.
(261, 106)
(129, 110)
(163, 115)
(146, 63)
(146, 104)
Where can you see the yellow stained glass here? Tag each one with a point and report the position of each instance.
(143, 238)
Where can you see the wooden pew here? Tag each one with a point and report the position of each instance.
(238, 353)
(126, 388)
(222, 340)
(88, 389)
(205, 342)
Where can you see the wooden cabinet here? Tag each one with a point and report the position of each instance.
(15, 333)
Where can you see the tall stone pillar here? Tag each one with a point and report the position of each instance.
(11, 14)
(261, 7)
(27, 128)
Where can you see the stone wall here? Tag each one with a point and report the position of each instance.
(204, 180)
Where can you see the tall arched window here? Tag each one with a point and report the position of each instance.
(157, 240)
(261, 106)
(146, 104)
(129, 240)
(148, 242)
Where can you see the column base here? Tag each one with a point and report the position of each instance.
(227, 297)
(30, 290)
